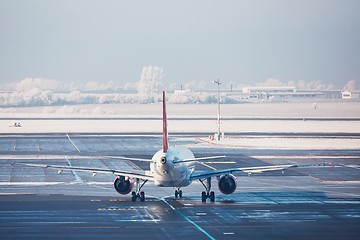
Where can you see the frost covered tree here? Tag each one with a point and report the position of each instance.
(150, 80)
(350, 86)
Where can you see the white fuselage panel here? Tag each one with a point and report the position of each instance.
(169, 174)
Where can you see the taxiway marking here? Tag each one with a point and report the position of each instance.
(73, 143)
(188, 219)
(76, 175)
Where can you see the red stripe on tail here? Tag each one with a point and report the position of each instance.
(165, 134)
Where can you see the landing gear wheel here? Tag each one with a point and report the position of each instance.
(138, 194)
(142, 197)
(203, 197)
(212, 196)
(133, 197)
(178, 193)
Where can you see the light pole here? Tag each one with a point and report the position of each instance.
(218, 115)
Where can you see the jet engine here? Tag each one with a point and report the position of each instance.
(122, 185)
(227, 184)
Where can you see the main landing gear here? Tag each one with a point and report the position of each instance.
(138, 194)
(178, 193)
(207, 195)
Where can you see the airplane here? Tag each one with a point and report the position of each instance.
(173, 166)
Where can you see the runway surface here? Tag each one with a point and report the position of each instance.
(36, 203)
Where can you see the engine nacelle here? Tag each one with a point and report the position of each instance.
(227, 184)
(122, 185)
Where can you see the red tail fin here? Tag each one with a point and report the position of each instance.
(165, 134)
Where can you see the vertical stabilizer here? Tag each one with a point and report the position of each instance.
(165, 133)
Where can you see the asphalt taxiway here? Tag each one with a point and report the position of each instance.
(36, 203)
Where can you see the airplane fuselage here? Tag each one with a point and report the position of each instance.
(168, 174)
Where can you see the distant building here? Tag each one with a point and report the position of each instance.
(350, 95)
(255, 94)
(296, 96)
(286, 94)
(247, 97)
(346, 95)
(269, 89)
(332, 94)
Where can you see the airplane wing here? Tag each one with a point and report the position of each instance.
(139, 174)
(215, 173)
(131, 159)
(197, 159)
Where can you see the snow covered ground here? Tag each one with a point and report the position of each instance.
(259, 110)
(181, 126)
(141, 111)
(139, 123)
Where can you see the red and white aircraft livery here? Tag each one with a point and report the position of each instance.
(173, 166)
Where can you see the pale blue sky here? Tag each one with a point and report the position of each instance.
(192, 40)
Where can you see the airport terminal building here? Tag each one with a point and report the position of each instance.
(289, 94)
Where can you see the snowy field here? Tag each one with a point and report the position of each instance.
(178, 126)
(196, 122)
(258, 110)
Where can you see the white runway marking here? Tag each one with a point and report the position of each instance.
(206, 165)
(73, 143)
(76, 175)
(357, 167)
(188, 219)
